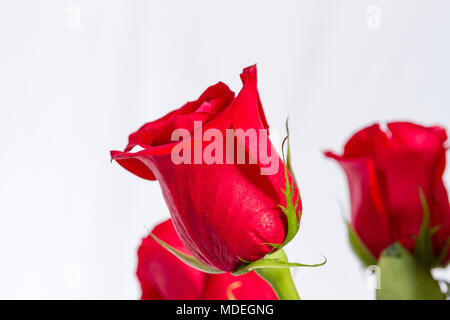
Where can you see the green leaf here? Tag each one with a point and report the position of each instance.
(423, 250)
(403, 277)
(274, 260)
(360, 249)
(189, 260)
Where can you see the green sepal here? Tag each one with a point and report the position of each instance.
(359, 248)
(189, 260)
(291, 206)
(403, 277)
(423, 250)
(287, 161)
(443, 253)
(273, 260)
(274, 245)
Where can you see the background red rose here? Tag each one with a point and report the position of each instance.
(164, 277)
(385, 170)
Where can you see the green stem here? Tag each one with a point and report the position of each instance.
(280, 278)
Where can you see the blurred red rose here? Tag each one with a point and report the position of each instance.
(164, 277)
(385, 170)
(222, 212)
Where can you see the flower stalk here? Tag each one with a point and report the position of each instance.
(280, 278)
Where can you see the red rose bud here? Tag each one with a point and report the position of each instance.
(385, 171)
(164, 277)
(219, 173)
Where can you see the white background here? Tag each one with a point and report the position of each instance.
(70, 221)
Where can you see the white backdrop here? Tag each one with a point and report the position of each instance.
(76, 77)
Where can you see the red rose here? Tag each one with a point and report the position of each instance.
(385, 170)
(164, 277)
(223, 211)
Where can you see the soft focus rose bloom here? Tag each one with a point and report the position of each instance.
(222, 212)
(164, 277)
(385, 170)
